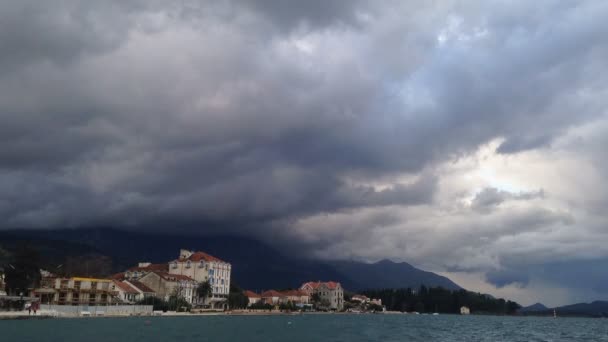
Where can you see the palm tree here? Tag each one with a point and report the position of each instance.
(204, 290)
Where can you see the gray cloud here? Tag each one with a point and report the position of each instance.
(491, 197)
(256, 117)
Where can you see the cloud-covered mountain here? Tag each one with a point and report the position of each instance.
(533, 308)
(254, 264)
(465, 137)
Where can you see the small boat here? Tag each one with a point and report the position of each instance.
(554, 313)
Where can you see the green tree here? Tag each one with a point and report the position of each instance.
(157, 303)
(204, 291)
(237, 298)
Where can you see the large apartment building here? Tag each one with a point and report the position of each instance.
(330, 293)
(76, 291)
(203, 267)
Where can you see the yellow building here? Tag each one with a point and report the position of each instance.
(76, 291)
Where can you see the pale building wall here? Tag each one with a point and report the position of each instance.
(165, 288)
(217, 273)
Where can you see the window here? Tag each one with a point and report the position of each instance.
(201, 264)
(188, 264)
(174, 265)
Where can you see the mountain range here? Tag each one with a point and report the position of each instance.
(594, 309)
(255, 265)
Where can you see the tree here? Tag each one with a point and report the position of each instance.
(179, 303)
(374, 307)
(157, 303)
(204, 291)
(237, 298)
(289, 306)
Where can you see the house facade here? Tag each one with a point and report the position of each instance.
(271, 297)
(165, 285)
(203, 267)
(126, 293)
(253, 297)
(142, 290)
(76, 291)
(295, 296)
(329, 293)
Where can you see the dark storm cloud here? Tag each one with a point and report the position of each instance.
(503, 278)
(314, 13)
(248, 116)
(60, 31)
(196, 109)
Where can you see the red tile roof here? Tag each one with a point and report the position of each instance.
(151, 267)
(172, 277)
(330, 284)
(270, 293)
(118, 276)
(294, 293)
(251, 294)
(140, 286)
(361, 297)
(125, 287)
(198, 256)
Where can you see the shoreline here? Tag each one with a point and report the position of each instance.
(18, 315)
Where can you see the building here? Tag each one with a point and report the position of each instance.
(142, 290)
(166, 285)
(465, 310)
(360, 298)
(2, 283)
(126, 293)
(77, 291)
(203, 267)
(376, 301)
(271, 297)
(253, 297)
(330, 293)
(295, 297)
(143, 268)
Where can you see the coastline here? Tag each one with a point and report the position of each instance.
(24, 315)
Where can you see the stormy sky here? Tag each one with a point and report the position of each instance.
(465, 137)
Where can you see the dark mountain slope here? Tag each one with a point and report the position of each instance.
(255, 265)
(388, 274)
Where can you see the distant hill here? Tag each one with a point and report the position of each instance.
(391, 275)
(255, 265)
(596, 309)
(533, 307)
(593, 309)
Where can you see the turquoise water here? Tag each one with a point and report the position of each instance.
(308, 328)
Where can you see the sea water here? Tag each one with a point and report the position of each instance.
(307, 328)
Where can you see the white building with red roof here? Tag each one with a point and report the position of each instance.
(252, 296)
(126, 292)
(271, 297)
(295, 296)
(203, 267)
(330, 293)
(143, 290)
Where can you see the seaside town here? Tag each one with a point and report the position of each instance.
(194, 282)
